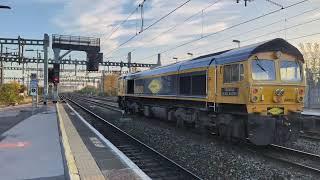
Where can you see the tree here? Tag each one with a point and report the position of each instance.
(22, 88)
(9, 93)
(311, 54)
(89, 90)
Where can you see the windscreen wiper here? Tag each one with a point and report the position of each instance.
(259, 64)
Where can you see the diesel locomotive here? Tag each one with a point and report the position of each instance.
(255, 92)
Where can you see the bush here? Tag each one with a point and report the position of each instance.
(89, 90)
(9, 93)
(22, 88)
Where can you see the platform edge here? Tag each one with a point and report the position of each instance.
(71, 164)
(122, 156)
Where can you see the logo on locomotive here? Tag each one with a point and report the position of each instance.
(155, 86)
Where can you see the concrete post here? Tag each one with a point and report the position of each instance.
(159, 60)
(45, 68)
(23, 64)
(102, 82)
(1, 66)
(129, 62)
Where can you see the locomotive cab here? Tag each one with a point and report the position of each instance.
(276, 96)
(275, 83)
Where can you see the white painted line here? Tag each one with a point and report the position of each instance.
(122, 156)
(96, 142)
(311, 113)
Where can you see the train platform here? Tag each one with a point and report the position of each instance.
(30, 144)
(55, 142)
(311, 112)
(89, 154)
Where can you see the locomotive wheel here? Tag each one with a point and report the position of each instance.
(200, 127)
(225, 132)
(224, 128)
(180, 123)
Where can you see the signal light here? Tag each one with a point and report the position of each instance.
(50, 75)
(255, 90)
(53, 74)
(301, 91)
(56, 80)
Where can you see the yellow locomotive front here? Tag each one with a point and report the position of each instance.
(276, 96)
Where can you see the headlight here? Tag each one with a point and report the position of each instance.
(279, 92)
(254, 99)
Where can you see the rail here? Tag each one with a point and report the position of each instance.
(153, 163)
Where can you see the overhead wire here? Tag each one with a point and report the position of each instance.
(290, 39)
(184, 21)
(178, 24)
(283, 29)
(122, 22)
(151, 25)
(264, 26)
(273, 32)
(303, 36)
(225, 29)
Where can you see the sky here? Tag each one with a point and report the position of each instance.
(214, 20)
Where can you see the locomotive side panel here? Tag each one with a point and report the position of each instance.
(232, 83)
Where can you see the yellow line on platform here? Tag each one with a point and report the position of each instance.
(71, 163)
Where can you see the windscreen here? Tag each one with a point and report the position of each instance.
(263, 70)
(290, 71)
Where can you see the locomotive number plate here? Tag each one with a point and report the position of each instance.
(230, 91)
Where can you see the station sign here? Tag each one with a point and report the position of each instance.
(33, 87)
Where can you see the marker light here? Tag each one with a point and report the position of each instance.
(301, 91)
(255, 91)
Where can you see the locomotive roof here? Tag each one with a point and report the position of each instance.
(224, 57)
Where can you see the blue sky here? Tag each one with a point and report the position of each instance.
(33, 18)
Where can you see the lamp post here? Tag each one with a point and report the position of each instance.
(175, 58)
(5, 7)
(236, 41)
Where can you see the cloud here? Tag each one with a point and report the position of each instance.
(99, 17)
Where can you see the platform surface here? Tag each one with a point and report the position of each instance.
(94, 151)
(312, 112)
(30, 144)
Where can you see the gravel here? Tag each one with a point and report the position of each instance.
(306, 145)
(208, 157)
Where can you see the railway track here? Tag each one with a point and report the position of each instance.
(311, 135)
(293, 157)
(102, 98)
(153, 163)
(101, 103)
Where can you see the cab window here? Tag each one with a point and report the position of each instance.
(263, 70)
(290, 71)
(233, 73)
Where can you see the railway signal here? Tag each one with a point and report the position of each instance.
(56, 72)
(53, 74)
